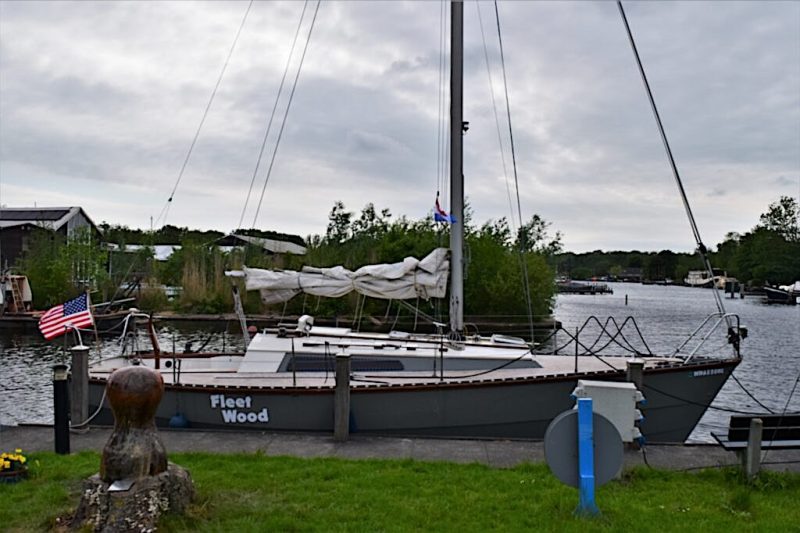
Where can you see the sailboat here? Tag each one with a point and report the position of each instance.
(446, 384)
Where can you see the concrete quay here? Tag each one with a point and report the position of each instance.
(494, 453)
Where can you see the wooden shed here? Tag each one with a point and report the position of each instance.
(19, 224)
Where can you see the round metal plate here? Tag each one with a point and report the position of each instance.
(561, 448)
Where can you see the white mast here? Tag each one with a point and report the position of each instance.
(456, 170)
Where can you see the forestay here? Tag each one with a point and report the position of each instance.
(412, 278)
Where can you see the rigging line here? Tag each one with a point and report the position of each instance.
(699, 404)
(785, 408)
(439, 99)
(497, 368)
(286, 112)
(523, 262)
(165, 210)
(695, 230)
(496, 117)
(272, 115)
(741, 385)
(445, 115)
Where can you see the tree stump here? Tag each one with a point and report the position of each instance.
(136, 484)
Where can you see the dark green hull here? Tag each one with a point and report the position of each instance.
(514, 408)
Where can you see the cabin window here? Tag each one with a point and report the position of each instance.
(321, 363)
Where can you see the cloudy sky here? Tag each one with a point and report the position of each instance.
(100, 101)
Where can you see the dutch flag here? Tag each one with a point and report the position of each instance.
(440, 215)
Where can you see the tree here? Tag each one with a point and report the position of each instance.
(727, 251)
(59, 268)
(782, 218)
(493, 279)
(339, 224)
(370, 223)
(766, 256)
(661, 265)
(533, 237)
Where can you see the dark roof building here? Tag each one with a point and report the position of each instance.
(633, 274)
(17, 224)
(271, 246)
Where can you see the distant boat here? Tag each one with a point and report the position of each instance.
(785, 294)
(583, 287)
(700, 278)
(794, 287)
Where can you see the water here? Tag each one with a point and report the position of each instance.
(26, 363)
(665, 315)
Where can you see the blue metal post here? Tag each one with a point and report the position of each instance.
(586, 504)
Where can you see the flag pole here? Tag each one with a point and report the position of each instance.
(94, 322)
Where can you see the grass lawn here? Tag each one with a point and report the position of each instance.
(253, 492)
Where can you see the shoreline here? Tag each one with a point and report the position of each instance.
(490, 452)
(27, 322)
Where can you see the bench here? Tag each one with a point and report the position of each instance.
(749, 434)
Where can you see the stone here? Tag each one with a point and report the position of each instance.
(137, 509)
(136, 484)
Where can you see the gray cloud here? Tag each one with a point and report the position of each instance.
(100, 100)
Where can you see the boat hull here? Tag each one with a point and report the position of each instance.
(517, 408)
(779, 296)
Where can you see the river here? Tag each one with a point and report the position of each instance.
(665, 316)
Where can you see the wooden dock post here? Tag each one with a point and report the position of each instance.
(752, 455)
(61, 409)
(79, 385)
(635, 372)
(341, 408)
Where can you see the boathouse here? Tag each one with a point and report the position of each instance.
(269, 246)
(18, 225)
(162, 252)
(631, 275)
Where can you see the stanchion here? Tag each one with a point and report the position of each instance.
(61, 409)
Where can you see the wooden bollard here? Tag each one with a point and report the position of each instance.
(136, 484)
(79, 385)
(752, 456)
(341, 408)
(60, 409)
(134, 449)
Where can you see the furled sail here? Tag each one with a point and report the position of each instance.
(412, 278)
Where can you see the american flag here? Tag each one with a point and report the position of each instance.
(75, 312)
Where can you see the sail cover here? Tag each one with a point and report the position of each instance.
(412, 278)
